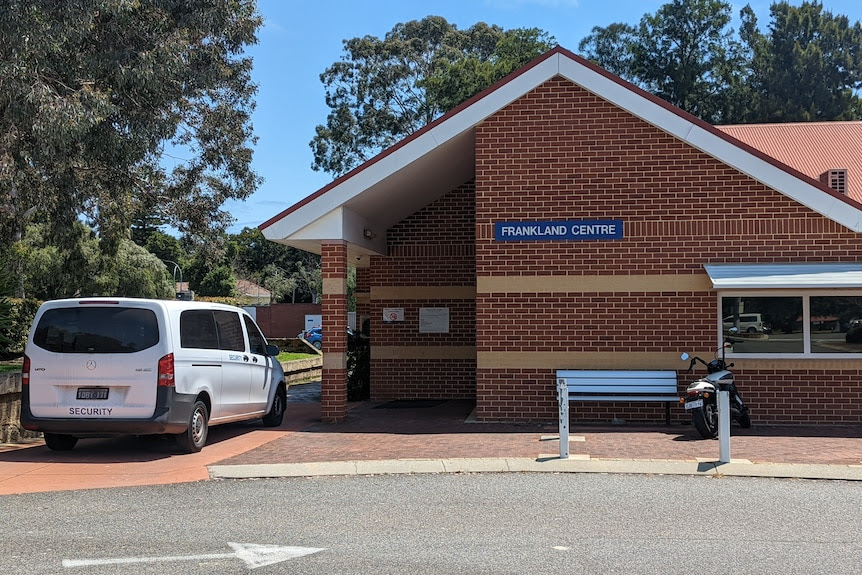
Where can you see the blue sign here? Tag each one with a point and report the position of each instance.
(558, 231)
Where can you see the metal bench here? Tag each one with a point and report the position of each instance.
(606, 385)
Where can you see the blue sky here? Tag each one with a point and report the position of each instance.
(300, 39)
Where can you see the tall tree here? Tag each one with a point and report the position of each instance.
(112, 109)
(383, 90)
(685, 53)
(808, 66)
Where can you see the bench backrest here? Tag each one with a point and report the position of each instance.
(618, 382)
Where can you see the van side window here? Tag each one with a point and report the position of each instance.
(229, 331)
(198, 329)
(255, 338)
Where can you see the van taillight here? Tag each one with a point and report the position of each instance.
(25, 371)
(166, 371)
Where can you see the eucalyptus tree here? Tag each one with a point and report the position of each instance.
(685, 53)
(110, 110)
(383, 90)
(806, 67)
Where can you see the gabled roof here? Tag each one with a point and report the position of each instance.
(810, 147)
(359, 206)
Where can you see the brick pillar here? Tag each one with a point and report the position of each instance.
(333, 392)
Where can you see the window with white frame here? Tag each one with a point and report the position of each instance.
(796, 323)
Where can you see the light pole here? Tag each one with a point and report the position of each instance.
(179, 292)
(177, 268)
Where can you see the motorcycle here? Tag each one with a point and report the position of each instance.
(702, 394)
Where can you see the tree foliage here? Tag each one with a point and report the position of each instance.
(805, 68)
(384, 90)
(111, 109)
(47, 271)
(292, 275)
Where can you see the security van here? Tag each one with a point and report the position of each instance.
(98, 367)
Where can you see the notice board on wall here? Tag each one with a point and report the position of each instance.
(433, 320)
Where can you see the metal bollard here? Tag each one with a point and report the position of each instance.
(724, 426)
(563, 399)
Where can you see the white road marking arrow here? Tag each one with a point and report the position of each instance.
(252, 554)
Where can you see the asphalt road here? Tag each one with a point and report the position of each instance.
(439, 524)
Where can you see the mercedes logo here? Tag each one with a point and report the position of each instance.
(91, 365)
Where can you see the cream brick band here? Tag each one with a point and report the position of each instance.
(415, 352)
(423, 292)
(334, 360)
(543, 284)
(592, 284)
(335, 286)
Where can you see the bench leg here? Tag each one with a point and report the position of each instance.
(667, 412)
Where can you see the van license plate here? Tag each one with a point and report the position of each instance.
(92, 393)
(694, 404)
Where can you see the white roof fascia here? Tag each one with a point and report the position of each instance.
(785, 276)
(716, 146)
(345, 224)
(464, 120)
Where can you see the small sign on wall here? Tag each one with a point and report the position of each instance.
(393, 315)
(433, 320)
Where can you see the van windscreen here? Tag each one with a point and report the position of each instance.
(96, 330)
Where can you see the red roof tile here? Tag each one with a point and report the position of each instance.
(811, 148)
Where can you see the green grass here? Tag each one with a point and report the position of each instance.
(10, 367)
(288, 356)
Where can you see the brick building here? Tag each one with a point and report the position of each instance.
(566, 219)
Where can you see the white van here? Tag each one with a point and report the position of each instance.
(748, 322)
(112, 366)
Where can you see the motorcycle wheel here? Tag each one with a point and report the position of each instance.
(705, 420)
(744, 420)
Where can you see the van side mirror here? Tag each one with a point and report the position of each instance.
(272, 350)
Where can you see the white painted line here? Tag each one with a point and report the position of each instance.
(252, 554)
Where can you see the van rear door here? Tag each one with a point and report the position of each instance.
(95, 360)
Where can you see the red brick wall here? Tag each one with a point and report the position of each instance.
(423, 379)
(561, 153)
(285, 320)
(433, 247)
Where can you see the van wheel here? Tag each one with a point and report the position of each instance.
(60, 442)
(276, 412)
(194, 438)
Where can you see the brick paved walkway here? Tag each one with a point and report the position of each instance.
(411, 430)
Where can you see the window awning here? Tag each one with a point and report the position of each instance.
(785, 276)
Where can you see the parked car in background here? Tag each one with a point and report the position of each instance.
(314, 336)
(748, 323)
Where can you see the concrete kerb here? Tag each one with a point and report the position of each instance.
(543, 464)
